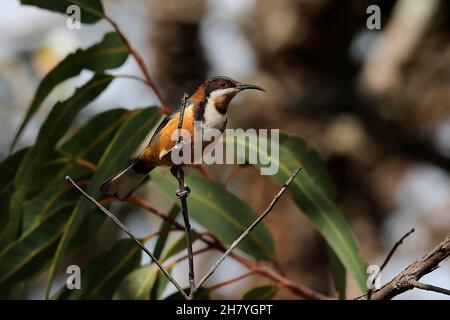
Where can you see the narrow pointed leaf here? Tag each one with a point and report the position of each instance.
(8, 169)
(34, 167)
(138, 284)
(110, 53)
(221, 212)
(312, 198)
(91, 10)
(338, 273)
(88, 145)
(102, 275)
(164, 232)
(261, 293)
(25, 256)
(119, 151)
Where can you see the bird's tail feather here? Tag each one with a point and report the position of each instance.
(123, 183)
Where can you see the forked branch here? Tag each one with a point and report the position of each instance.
(128, 232)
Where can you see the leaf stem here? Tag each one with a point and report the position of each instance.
(139, 61)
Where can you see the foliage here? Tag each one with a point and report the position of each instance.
(41, 216)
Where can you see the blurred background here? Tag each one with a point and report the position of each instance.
(374, 103)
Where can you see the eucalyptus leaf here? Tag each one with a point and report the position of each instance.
(130, 135)
(110, 53)
(91, 10)
(221, 212)
(312, 194)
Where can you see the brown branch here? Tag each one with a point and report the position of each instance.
(128, 232)
(429, 287)
(249, 229)
(394, 248)
(387, 259)
(173, 263)
(139, 61)
(211, 240)
(228, 282)
(408, 278)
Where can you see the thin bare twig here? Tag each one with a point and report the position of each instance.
(429, 287)
(211, 240)
(387, 259)
(394, 248)
(233, 280)
(128, 232)
(408, 278)
(249, 229)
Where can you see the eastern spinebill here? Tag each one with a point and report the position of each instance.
(208, 105)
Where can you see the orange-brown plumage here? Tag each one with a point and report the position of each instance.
(157, 152)
(208, 104)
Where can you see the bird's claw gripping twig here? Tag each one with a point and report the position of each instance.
(183, 193)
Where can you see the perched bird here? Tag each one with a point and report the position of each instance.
(208, 104)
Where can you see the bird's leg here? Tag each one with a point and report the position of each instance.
(183, 190)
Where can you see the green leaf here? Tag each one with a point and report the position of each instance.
(164, 232)
(8, 169)
(25, 256)
(337, 272)
(101, 277)
(87, 144)
(138, 284)
(311, 162)
(110, 53)
(312, 197)
(159, 287)
(30, 173)
(130, 135)
(91, 10)
(221, 212)
(261, 293)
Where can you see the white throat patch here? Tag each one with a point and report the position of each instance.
(213, 118)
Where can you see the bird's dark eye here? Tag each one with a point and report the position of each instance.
(222, 84)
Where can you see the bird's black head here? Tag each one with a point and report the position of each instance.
(226, 85)
(219, 91)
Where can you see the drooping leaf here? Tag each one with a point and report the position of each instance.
(221, 212)
(130, 135)
(101, 277)
(164, 232)
(311, 197)
(25, 256)
(138, 284)
(149, 282)
(87, 144)
(8, 169)
(261, 293)
(91, 10)
(110, 53)
(159, 287)
(338, 273)
(31, 173)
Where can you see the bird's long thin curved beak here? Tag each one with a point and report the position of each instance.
(244, 86)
